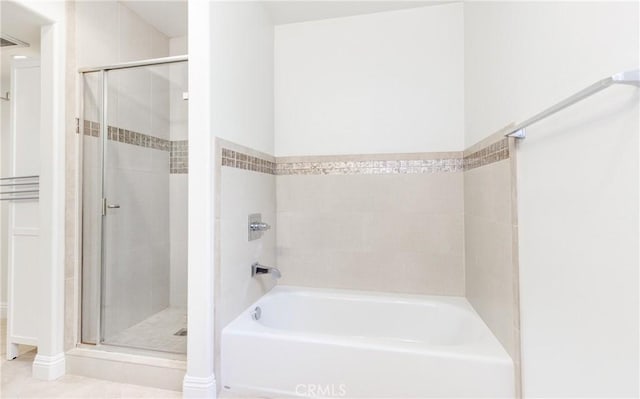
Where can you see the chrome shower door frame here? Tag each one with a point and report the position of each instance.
(103, 110)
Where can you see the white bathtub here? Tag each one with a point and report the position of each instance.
(337, 343)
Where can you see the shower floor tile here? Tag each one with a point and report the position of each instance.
(155, 332)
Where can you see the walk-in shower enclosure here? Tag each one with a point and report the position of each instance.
(134, 205)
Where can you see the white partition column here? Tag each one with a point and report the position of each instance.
(49, 363)
(199, 381)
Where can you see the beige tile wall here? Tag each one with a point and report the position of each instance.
(240, 191)
(394, 232)
(489, 271)
(491, 264)
(243, 193)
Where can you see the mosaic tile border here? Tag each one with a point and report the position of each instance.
(371, 164)
(495, 152)
(139, 139)
(240, 160)
(178, 149)
(179, 157)
(128, 136)
(371, 167)
(347, 166)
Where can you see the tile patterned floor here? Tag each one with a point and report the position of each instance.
(155, 332)
(16, 381)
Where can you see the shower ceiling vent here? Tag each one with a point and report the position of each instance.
(7, 41)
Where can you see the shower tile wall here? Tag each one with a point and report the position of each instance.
(242, 189)
(491, 258)
(137, 269)
(108, 32)
(400, 230)
(244, 192)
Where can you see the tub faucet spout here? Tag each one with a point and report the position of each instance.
(257, 268)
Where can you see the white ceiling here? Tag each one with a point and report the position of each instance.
(21, 24)
(169, 17)
(285, 12)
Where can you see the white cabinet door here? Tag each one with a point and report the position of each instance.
(23, 215)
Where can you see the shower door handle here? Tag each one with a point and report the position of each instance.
(106, 206)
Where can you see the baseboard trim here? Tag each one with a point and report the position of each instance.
(198, 387)
(49, 368)
(126, 368)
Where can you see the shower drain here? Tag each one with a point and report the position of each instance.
(181, 332)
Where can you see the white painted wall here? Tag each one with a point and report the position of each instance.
(242, 76)
(577, 183)
(377, 83)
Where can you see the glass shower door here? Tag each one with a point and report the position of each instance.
(142, 274)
